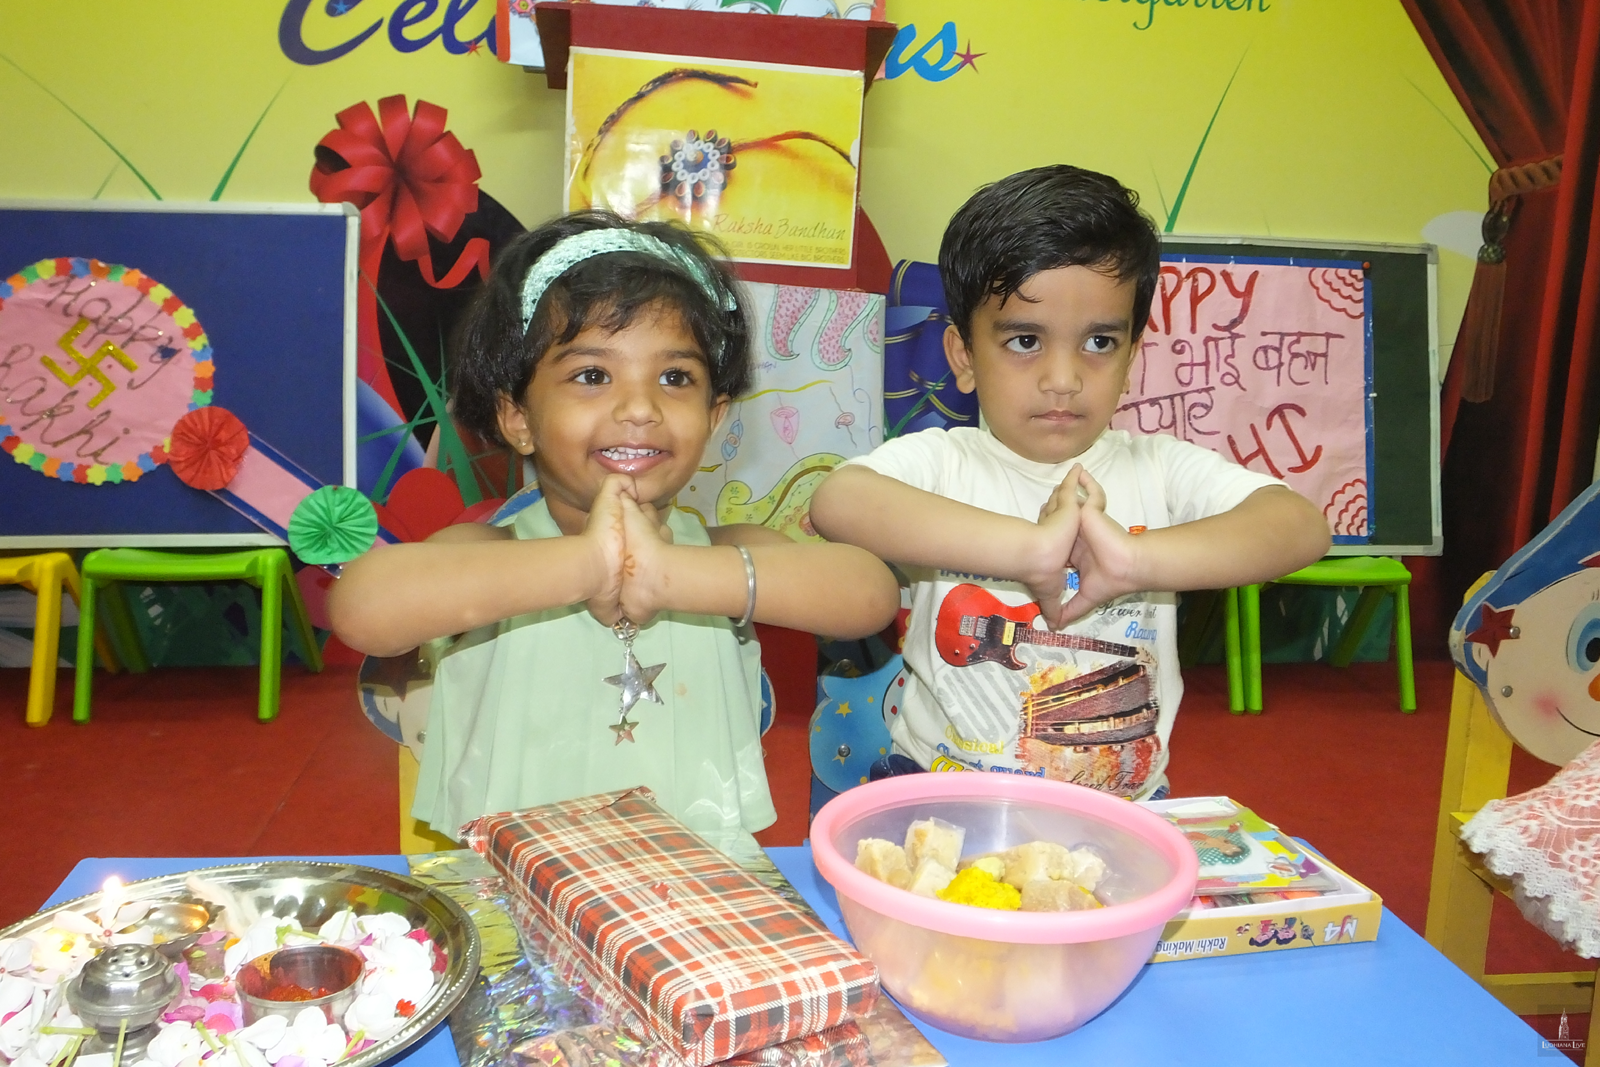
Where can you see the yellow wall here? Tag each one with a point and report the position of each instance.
(1337, 124)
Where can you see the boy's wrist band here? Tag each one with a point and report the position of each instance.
(750, 587)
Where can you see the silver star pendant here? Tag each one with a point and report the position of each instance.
(637, 683)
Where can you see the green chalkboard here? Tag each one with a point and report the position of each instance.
(1405, 375)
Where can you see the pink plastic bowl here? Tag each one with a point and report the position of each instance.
(1005, 975)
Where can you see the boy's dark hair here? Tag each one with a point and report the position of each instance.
(1038, 220)
(493, 355)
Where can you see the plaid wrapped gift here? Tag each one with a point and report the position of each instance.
(712, 962)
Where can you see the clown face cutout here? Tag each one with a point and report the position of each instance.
(1542, 658)
(1530, 637)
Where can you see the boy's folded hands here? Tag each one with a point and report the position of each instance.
(1059, 521)
(1103, 555)
(1075, 531)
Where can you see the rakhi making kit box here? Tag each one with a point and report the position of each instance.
(1343, 911)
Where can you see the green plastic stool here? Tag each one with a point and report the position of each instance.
(265, 568)
(1377, 577)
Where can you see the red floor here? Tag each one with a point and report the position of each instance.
(175, 763)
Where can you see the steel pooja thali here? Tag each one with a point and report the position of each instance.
(313, 892)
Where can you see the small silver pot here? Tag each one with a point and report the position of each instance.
(274, 984)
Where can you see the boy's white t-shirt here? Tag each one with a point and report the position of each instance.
(1092, 705)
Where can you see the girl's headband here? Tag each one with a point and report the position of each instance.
(570, 251)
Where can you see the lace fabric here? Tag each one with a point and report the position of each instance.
(1547, 841)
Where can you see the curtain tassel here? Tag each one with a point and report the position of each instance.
(1479, 341)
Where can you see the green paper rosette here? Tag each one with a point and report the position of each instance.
(335, 524)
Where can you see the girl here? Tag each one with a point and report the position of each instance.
(608, 352)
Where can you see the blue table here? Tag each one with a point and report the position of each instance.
(1392, 1001)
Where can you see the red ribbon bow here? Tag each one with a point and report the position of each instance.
(410, 179)
(408, 176)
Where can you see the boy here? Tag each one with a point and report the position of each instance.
(1049, 275)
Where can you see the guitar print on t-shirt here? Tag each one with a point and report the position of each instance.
(1088, 717)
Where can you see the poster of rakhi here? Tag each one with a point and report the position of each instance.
(1269, 363)
(762, 155)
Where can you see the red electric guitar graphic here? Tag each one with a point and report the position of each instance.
(975, 627)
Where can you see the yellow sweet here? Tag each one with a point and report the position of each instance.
(977, 887)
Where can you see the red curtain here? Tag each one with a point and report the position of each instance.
(1527, 73)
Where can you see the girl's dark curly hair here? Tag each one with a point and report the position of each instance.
(493, 355)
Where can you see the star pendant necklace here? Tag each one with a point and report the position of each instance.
(637, 683)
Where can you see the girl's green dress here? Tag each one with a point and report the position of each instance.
(520, 715)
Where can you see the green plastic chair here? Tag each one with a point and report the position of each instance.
(1376, 576)
(265, 568)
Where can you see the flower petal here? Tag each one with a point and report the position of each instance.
(15, 993)
(265, 1031)
(16, 955)
(76, 923)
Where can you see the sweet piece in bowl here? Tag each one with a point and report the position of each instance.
(1037, 876)
(934, 839)
(883, 860)
(1056, 894)
(930, 878)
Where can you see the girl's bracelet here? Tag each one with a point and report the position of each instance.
(750, 587)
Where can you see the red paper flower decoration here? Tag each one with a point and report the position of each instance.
(208, 444)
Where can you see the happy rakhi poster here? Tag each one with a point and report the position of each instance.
(144, 351)
(1268, 362)
(109, 340)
